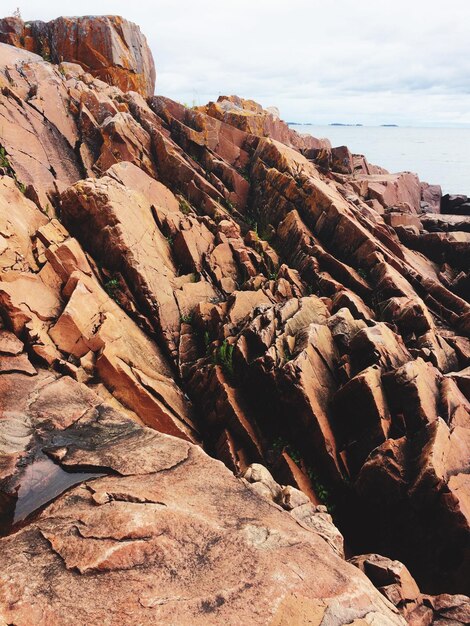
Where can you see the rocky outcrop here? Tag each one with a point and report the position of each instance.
(154, 530)
(251, 118)
(395, 582)
(214, 276)
(455, 204)
(108, 47)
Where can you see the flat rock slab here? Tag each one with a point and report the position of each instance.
(169, 537)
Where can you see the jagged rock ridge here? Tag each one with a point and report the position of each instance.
(108, 47)
(215, 276)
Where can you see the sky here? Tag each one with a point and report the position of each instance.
(368, 62)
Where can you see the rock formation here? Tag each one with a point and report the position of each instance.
(108, 47)
(178, 279)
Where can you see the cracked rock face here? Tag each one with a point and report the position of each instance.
(172, 277)
(109, 47)
(166, 535)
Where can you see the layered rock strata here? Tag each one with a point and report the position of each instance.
(214, 276)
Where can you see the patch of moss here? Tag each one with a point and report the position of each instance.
(224, 357)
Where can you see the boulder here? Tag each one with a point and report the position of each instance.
(393, 189)
(394, 580)
(455, 204)
(431, 196)
(341, 160)
(109, 47)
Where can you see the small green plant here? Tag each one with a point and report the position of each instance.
(294, 455)
(224, 357)
(169, 240)
(279, 445)
(6, 165)
(362, 273)
(265, 233)
(320, 490)
(229, 206)
(112, 287)
(4, 162)
(273, 275)
(185, 207)
(245, 172)
(186, 319)
(252, 221)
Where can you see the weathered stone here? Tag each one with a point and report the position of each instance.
(362, 415)
(108, 47)
(19, 221)
(304, 299)
(133, 243)
(413, 390)
(391, 189)
(134, 533)
(384, 572)
(377, 345)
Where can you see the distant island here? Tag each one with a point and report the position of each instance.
(339, 124)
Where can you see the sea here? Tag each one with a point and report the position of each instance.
(438, 155)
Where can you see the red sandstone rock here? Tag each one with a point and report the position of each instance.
(306, 321)
(341, 160)
(109, 548)
(431, 195)
(395, 582)
(390, 189)
(250, 117)
(108, 47)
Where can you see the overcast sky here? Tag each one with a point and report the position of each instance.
(351, 61)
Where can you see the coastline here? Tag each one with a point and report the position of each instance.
(438, 155)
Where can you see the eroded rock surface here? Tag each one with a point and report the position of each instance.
(167, 535)
(109, 47)
(395, 582)
(213, 275)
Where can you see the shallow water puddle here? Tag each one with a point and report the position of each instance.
(39, 484)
